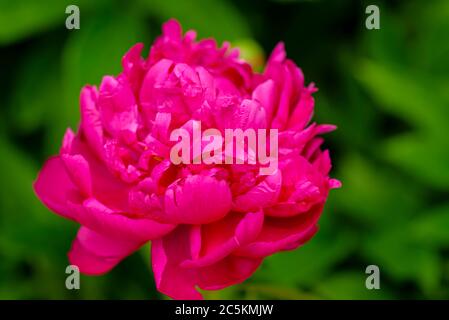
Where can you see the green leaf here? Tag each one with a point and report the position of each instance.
(405, 95)
(374, 195)
(387, 44)
(428, 51)
(348, 109)
(20, 19)
(432, 227)
(350, 286)
(217, 19)
(402, 259)
(422, 157)
(37, 89)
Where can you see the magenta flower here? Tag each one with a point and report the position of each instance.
(211, 225)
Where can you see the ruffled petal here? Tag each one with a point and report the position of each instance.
(283, 234)
(221, 238)
(263, 194)
(266, 95)
(302, 112)
(91, 126)
(134, 67)
(157, 74)
(166, 256)
(197, 200)
(180, 282)
(96, 254)
(118, 108)
(96, 216)
(106, 187)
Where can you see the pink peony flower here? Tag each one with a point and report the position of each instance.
(210, 225)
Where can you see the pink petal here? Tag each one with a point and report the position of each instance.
(58, 191)
(303, 186)
(266, 95)
(96, 254)
(117, 107)
(67, 141)
(325, 128)
(197, 200)
(278, 54)
(260, 196)
(78, 169)
(287, 209)
(248, 114)
(282, 233)
(105, 187)
(302, 112)
(323, 163)
(166, 256)
(221, 238)
(54, 187)
(227, 272)
(134, 67)
(91, 126)
(282, 113)
(334, 184)
(115, 224)
(160, 127)
(172, 30)
(179, 282)
(155, 75)
(312, 148)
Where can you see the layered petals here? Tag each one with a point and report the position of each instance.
(211, 223)
(283, 234)
(180, 281)
(218, 240)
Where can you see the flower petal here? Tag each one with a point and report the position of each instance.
(265, 94)
(96, 216)
(179, 282)
(227, 272)
(262, 195)
(54, 187)
(197, 200)
(96, 254)
(221, 238)
(91, 126)
(78, 169)
(166, 256)
(283, 234)
(118, 109)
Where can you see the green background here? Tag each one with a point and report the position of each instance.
(387, 90)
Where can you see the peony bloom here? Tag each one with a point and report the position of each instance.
(210, 225)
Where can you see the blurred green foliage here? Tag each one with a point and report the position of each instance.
(387, 90)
